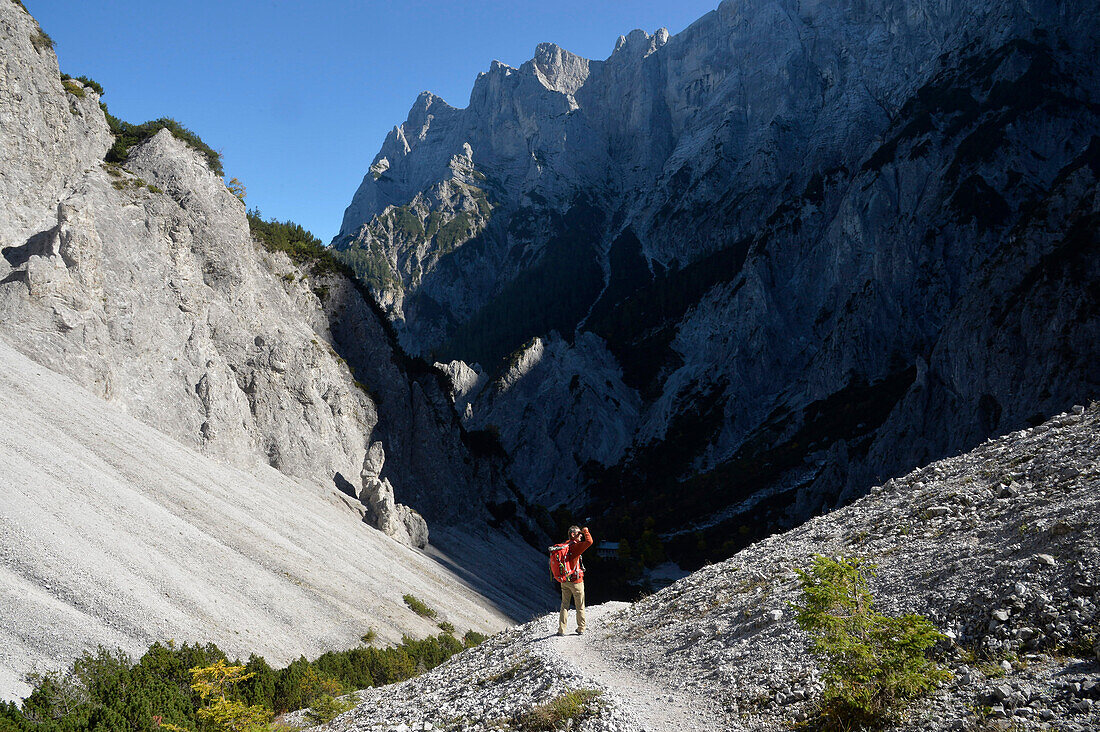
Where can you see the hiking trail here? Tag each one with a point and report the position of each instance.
(657, 706)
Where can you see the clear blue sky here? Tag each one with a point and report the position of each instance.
(298, 96)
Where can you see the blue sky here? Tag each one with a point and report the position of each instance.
(298, 96)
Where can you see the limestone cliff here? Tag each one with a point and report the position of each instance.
(141, 283)
(821, 243)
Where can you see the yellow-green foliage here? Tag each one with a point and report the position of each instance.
(219, 712)
(873, 663)
(575, 705)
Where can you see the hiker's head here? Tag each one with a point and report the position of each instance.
(574, 532)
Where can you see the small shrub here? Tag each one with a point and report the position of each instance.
(237, 188)
(473, 638)
(84, 81)
(418, 607)
(874, 664)
(369, 637)
(328, 708)
(573, 705)
(73, 87)
(41, 41)
(447, 628)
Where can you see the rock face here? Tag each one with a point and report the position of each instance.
(141, 283)
(809, 246)
(997, 547)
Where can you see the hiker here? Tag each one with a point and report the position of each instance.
(568, 570)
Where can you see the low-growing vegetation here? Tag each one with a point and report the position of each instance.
(195, 688)
(570, 708)
(874, 664)
(127, 135)
(418, 606)
(72, 82)
(41, 41)
(299, 244)
(328, 708)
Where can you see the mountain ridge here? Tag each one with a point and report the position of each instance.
(778, 208)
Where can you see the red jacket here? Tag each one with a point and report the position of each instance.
(576, 548)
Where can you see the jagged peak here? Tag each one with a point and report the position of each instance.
(639, 42)
(558, 69)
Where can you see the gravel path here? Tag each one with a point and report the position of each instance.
(655, 706)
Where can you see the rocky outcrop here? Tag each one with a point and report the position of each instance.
(557, 407)
(61, 131)
(393, 519)
(820, 244)
(142, 283)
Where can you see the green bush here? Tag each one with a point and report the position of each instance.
(418, 606)
(85, 82)
(473, 638)
(873, 663)
(328, 708)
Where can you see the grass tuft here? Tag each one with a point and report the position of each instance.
(576, 706)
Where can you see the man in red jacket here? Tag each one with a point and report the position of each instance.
(579, 540)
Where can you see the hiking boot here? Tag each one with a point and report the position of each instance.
(580, 631)
(561, 632)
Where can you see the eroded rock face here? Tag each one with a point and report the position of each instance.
(817, 245)
(383, 513)
(142, 283)
(52, 135)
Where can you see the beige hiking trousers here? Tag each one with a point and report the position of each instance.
(574, 591)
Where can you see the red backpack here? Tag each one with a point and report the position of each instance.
(559, 564)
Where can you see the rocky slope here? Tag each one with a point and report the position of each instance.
(142, 284)
(804, 247)
(999, 547)
(113, 533)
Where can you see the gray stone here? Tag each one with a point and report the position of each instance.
(708, 120)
